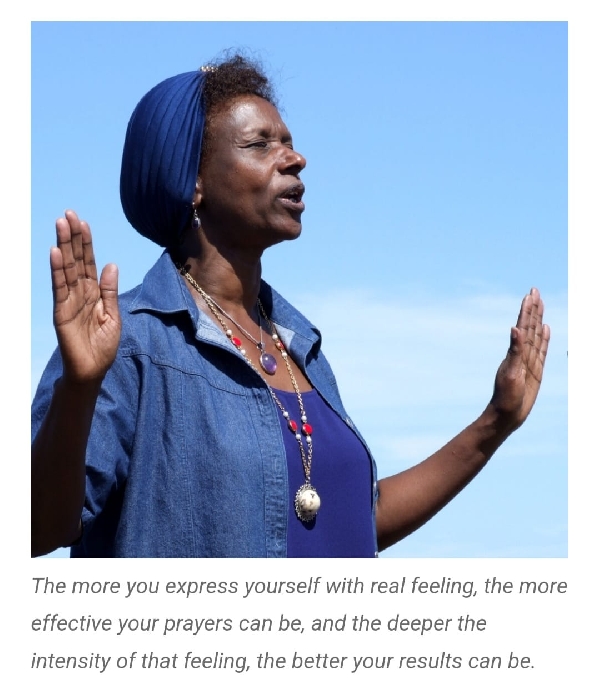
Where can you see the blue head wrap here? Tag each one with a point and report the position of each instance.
(161, 157)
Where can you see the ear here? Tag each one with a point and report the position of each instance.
(198, 192)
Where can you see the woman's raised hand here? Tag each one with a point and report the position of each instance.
(520, 374)
(86, 311)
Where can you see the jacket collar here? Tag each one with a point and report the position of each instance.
(164, 291)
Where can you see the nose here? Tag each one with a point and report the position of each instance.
(292, 160)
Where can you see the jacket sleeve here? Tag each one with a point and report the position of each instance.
(110, 442)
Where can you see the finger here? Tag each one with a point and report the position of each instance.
(109, 282)
(89, 261)
(60, 291)
(65, 245)
(524, 313)
(76, 241)
(534, 329)
(545, 342)
(539, 326)
(538, 366)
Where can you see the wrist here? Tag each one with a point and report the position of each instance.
(497, 422)
(82, 390)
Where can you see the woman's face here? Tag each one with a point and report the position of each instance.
(249, 185)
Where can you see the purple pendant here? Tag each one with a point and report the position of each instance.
(268, 363)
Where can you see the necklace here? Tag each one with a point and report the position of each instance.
(267, 361)
(307, 501)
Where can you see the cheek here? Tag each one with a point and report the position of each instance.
(249, 190)
(236, 188)
(242, 181)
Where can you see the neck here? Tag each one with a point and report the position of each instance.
(231, 277)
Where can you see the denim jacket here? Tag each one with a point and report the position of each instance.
(186, 457)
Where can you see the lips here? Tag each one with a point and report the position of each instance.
(291, 197)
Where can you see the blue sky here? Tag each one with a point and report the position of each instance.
(436, 197)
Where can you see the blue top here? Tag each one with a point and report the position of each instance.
(341, 474)
(186, 456)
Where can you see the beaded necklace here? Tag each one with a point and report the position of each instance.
(267, 361)
(307, 501)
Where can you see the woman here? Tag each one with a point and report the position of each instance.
(197, 415)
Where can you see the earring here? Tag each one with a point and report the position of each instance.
(195, 219)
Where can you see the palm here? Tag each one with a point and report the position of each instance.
(86, 314)
(520, 374)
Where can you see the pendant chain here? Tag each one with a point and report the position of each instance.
(306, 428)
(259, 344)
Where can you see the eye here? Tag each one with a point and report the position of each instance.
(258, 143)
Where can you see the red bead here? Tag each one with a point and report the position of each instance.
(279, 345)
(237, 342)
(293, 425)
(307, 429)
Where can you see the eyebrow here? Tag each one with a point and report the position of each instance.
(266, 133)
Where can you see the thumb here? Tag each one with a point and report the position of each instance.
(515, 351)
(516, 344)
(109, 285)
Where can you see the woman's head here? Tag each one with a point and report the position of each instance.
(167, 137)
(248, 192)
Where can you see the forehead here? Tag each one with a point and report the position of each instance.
(246, 116)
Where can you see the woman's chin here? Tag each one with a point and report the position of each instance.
(282, 233)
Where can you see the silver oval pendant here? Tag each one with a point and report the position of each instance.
(268, 363)
(307, 502)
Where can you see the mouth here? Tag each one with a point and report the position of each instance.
(291, 197)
